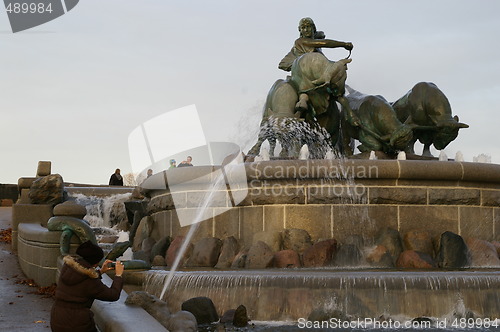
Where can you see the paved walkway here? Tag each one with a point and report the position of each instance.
(21, 309)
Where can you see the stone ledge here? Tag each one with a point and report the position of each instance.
(454, 196)
(490, 198)
(119, 317)
(99, 191)
(399, 196)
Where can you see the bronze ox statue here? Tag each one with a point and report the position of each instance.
(379, 128)
(427, 106)
(424, 113)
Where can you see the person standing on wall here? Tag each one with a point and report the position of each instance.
(186, 162)
(79, 285)
(116, 179)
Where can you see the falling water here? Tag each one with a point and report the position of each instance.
(103, 211)
(199, 217)
(289, 295)
(293, 134)
(304, 152)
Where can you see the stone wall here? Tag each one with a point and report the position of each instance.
(334, 199)
(38, 252)
(9, 191)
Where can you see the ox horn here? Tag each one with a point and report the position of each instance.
(452, 123)
(460, 124)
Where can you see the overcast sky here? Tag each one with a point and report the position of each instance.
(72, 90)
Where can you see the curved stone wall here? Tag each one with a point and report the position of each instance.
(38, 252)
(332, 198)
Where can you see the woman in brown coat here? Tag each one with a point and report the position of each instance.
(79, 285)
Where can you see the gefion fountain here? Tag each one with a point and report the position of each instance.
(384, 234)
(320, 233)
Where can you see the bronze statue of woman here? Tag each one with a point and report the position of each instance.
(310, 40)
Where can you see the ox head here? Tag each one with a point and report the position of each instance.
(334, 76)
(447, 131)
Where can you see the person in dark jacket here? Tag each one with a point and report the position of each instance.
(116, 179)
(79, 285)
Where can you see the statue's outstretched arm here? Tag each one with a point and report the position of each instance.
(328, 43)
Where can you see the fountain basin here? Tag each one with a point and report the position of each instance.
(334, 199)
(287, 295)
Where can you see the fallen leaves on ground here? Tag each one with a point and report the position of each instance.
(6, 235)
(46, 292)
(28, 282)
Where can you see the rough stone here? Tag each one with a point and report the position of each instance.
(260, 256)
(240, 318)
(296, 239)
(228, 252)
(158, 261)
(202, 308)
(419, 240)
(161, 246)
(182, 321)
(141, 255)
(163, 202)
(286, 259)
(143, 232)
(240, 259)
(147, 245)
(174, 248)
(44, 168)
(47, 190)
(123, 225)
(320, 253)
(453, 252)
(118, 213)
(153, 305)
(228, 316)
(379, 256)
(348, 255)
(205, 253)
(108, 239)
(71, 209)
(411, 259)
(136, 221)
(390, 238)
(482, 253)
(271, 238)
